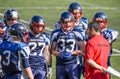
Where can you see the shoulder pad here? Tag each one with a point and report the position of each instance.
(84, 20)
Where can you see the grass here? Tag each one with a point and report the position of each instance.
(51, 9)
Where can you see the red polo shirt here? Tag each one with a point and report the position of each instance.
(97, 49)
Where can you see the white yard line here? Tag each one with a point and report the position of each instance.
(115, 54)
(115, 50)
(92, 7)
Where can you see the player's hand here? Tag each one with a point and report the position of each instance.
(102, 69)
(1, 75)
(49, 73)
(80, 53)
(65, 55)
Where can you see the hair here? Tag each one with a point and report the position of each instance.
(94, 25)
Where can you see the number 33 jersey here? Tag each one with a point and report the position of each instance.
(67, 42)
(37, 46)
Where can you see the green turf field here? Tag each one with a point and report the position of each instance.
(51, 9)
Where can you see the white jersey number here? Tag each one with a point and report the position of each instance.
(35, 46)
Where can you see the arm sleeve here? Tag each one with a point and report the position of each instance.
(89, 51)
(24, 53)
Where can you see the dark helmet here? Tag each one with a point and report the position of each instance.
(66, 15)
(18, 30)
(36, 22)
(75, 6)
(76, 9)
(101, 17)
(67, 21)
(11, 14)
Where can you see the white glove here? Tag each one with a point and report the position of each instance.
(49, 73)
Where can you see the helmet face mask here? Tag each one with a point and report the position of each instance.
(102, 19)
(67, 21)
(37, 24)
(77, 14)
(37, 27)
(76, 9)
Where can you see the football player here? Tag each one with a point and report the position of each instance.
(3, 29)
(110, 34)
(80, 22)
(15, 54)
(67, 43)
(11, 16)
(39, 44)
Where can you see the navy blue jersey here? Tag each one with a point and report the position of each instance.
(14, 56)
(37, 46)
(110, 34)
(7, 36)
(66, 42)
(82, 24)
(57, 25)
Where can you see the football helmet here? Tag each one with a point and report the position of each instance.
(37, 24)
(67, 21)
(101, 18)
(20, 31)
(11, 14)
(76, 9)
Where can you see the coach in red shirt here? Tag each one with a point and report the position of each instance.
(97, 50)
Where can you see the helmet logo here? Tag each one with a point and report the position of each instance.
(99, 19)
(14, 14)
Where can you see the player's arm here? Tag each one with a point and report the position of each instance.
(53, 49)
(48, 60)
(24, 53)
(29, 73)
(48, 56)
(81, 50)
(95, 65)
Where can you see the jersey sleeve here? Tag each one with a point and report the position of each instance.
(54, 36)
(24, 54)
(110, 34)
(57, 25)
(79, 35)
(114, 35)
(47, 38)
